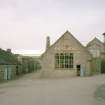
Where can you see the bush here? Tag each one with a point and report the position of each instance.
(100, 95)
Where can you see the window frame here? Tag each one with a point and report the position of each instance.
(64, 60)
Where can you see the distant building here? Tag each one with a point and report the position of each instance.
(8, 63)
(28, 64)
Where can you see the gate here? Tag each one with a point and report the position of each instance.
(7, 73)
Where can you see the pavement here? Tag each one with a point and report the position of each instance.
(63, 91)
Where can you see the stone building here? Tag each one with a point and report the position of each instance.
(95, 47)
(66, 57)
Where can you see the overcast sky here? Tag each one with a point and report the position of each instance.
(24, 24)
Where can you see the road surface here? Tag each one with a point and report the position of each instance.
(64, 91)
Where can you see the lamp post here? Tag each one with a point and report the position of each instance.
(103, 61)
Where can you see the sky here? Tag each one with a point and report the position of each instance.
(24, 24)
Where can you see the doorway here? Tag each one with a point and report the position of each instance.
(78, 70)
(103, 66)
(7, 73)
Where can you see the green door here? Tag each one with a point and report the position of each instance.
(9, 73)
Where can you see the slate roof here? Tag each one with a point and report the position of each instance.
(67, 33)
(94, 40)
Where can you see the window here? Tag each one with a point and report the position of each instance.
(64, 60)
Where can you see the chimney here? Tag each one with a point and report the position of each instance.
(47, 42)
(103, 53)
(9, 50)
(104, 41)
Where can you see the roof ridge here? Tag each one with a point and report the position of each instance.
(67, 32)
(95, 38)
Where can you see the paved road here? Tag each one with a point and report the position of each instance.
(68, 91)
